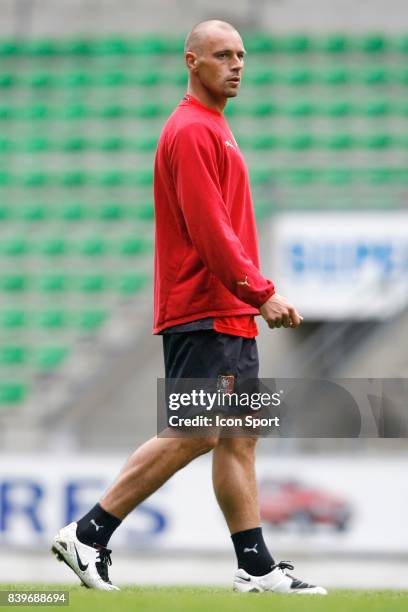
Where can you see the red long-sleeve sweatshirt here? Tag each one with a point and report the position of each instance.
(206, 254)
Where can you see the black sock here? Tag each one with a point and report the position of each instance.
(97, 526)
(251, 551)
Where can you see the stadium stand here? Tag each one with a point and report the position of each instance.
(79, 121)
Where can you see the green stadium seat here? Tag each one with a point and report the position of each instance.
(376, 108)
(53, 283)
(110, 178)
(76, 46)
(144, 177)
(5, 178)
(147, 45)
(6, 145)
(72, 212)
(263, 209)
(403, 109)
(339, 108)
(150, 78)
(112, 143)
(402, 76)
(92, 320)
(260, 43)
(36, 112)
(338, 176)
(177, 78)
(378, 141)
(299, 76)
(295, 43)
(112, 111)
(14, 247)
(174, 45)
(403, 141)
(401, 43)
(299, 141)
(260, 176)
(145, 212)
(129, 284)
(146, 143)
(53, 319)
(301, 108)
(37, 144)
(147, 111)
(375, 76)
(300, 176)
(11, 283)
(113, 45)
(9, 47)
(40, 79)
(262, 109)
(92, 247)
(111, 212)
(4, 212)
(92, 283)
(372, 43)
(41, 47)
(74, 111)
(76, 79)
(336, 75)
(12, 319)
(7, 80)
(12, 355)
(133, 246)
(50, 357)
(260, 141)
(53, 247)
(35, 212)
(334, 43)
(265, 76)
(111, 79)
(7, 112)
(380, 175)
(35, 179)
(340, 140)
(73, 178)
(74, 144)
(12, 393)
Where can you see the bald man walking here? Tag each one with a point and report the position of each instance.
(208, 290)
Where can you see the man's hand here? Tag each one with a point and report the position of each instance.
(278, 312)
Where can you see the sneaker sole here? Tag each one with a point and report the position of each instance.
(60, 557)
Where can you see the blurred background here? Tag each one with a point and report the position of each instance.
(322, 119)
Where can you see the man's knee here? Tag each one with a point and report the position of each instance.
(201, 444)
(241, 446)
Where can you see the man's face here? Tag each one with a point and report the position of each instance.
(220, 62)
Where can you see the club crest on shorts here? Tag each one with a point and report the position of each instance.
(225, 383)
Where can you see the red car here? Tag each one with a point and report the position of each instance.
(286, 502)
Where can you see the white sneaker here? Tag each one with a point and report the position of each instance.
(90, 563)
(276, 581)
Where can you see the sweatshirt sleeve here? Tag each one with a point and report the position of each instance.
(195, 161)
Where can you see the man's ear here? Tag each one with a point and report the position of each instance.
(191, 60)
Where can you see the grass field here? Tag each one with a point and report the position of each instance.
(189, 599)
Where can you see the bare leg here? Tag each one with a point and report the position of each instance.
(235, 482)
(150, 466)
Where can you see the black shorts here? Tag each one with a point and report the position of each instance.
(210, 354)
(213, 362)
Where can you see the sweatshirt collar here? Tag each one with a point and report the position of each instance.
(192, 100)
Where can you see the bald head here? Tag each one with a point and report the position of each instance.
(214, 56)
(196, 39)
